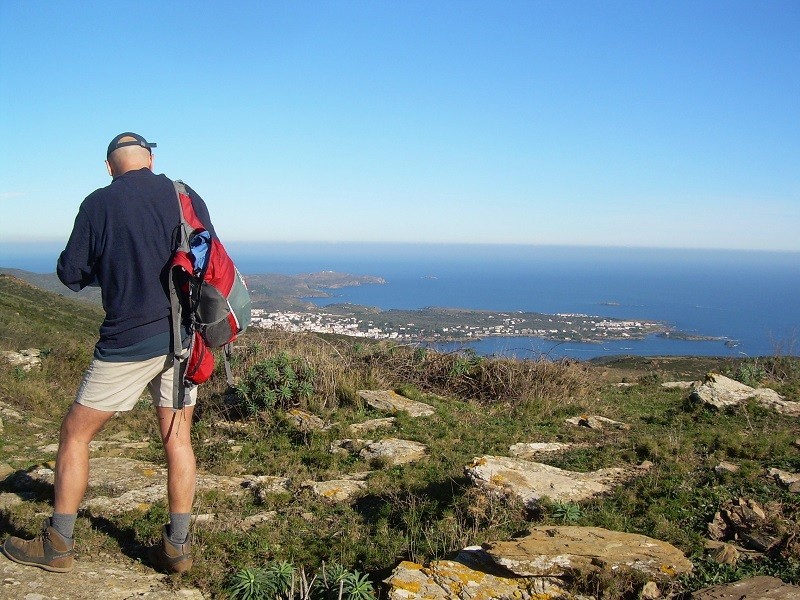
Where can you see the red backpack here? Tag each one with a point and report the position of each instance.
(208, 295)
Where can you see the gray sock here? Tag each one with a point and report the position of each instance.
(64, 523)
(178, 529)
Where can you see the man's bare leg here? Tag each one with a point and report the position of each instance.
(174, 554)
(78, 428)
(54, 549)
(175, 429)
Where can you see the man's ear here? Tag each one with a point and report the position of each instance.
(152, 160)
(108, 167)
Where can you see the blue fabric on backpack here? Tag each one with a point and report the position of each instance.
(199, 248)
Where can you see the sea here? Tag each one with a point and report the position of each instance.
(748, 300)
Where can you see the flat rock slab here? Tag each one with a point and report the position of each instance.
(118, 485)
(96, 445)
(106, 581)
(25, 359)
(532, 449)
(532, 480)
(722, 392)
(304, 421)
(372, 425)
(790, 480)
(394, 451)
(677, 385)
(337, 490)
(596, 422)
(392, 402)
(348, 446)
(557, 551)
(10, 413)
(772, 399)
(454, 580)
(755, 588)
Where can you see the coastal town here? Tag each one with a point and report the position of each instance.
(441, 325)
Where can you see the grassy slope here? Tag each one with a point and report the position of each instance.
(428, 509)
(32, 317)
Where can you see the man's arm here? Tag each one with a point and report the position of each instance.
(76, 264)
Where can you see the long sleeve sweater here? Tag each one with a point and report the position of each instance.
(122, 240)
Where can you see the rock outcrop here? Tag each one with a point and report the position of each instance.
(721, 392)
(393, 451)
(337, 490)
(470, 576)
(371, 425)
(531, 481)
(527, 451)
(118, 485)
(392, 402)
(596, 422)
(745, 522)
(540, 565)
(304, 421)
(24, 359)
(558, 551)
(755, 588)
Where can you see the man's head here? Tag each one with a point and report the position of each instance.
(128, 152)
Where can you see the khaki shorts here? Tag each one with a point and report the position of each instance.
(117, 386)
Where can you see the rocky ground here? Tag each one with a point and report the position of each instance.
(540, 564)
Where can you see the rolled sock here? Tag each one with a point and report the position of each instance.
(64, 523)
(179, 527)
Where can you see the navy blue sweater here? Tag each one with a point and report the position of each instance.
(122, 240)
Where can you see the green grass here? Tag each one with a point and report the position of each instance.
(426, 510)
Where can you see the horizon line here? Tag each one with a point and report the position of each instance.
(230, 242)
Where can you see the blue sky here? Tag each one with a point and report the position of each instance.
(665, 124)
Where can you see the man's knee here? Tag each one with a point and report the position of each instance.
(81, 423)
(175, 426)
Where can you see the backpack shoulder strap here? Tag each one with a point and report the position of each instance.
(179, 355)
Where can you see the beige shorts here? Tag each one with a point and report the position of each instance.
(117, 386)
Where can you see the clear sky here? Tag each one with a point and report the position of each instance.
(666, 124)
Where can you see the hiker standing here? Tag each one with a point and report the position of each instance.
(123, 240)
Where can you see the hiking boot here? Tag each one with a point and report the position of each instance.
(170, 557)
(50, 551)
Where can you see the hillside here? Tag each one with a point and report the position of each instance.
(293, 472)
(34, 317)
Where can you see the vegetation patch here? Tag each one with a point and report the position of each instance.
(267, 539)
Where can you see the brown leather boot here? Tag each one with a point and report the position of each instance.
(50, 551)
(170, 557)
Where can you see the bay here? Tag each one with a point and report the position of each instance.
(747, 297)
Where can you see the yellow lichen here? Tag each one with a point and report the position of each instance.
(497, 479)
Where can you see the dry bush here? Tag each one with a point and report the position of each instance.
(336, 374)
(343, 365)
(496, 379)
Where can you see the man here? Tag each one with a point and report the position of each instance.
(122, 240)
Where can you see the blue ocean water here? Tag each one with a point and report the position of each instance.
(748, 297)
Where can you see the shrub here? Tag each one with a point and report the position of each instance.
(748, 373)
(282, 580)
(281, 380)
